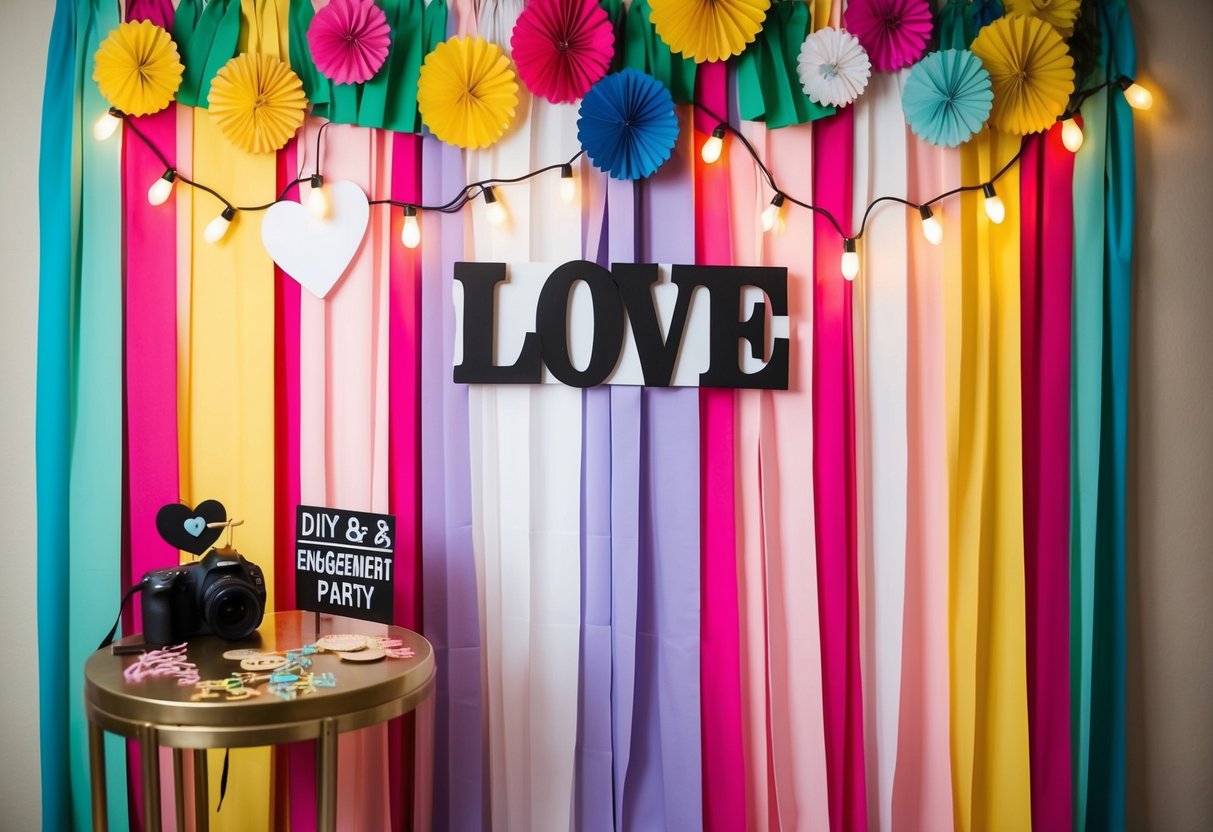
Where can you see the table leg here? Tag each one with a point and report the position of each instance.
(202, 801)
(326, 776)
(150, 754)
(96, 767)
(179, 786)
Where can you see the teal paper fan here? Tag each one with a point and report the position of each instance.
(947, 97)
(627, 125)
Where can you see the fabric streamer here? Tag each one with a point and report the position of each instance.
(1046, 258)
(881, 167)
(834, 482)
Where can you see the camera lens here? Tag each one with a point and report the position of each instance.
(231, 609)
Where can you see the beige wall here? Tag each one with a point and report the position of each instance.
(1171, 477)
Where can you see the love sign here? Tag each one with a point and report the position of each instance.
(647, 324)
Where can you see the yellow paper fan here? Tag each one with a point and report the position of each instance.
(257, 101)
(137, 68)
(708, 30)
(1031, 72)
(467, 93)
(1060, 14)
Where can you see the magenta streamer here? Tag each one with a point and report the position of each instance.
(1046, 282)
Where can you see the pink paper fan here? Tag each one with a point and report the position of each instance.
(893, 32)
(562, 47)
(349, 40)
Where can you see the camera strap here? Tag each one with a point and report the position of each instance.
(109, 639)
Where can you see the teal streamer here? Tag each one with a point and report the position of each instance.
(315, 85)
(207, 33)
(768, 83)
(959, 21)
(643, 50)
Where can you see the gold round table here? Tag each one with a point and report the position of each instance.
(159, 712)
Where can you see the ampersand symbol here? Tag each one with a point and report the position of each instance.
(354, 532)
(381, 539)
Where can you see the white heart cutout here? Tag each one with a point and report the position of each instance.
(316, 252)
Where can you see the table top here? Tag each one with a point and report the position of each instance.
(364, 693)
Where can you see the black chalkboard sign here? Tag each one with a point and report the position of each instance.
(345, 562)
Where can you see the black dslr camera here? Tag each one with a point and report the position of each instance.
(222, 594)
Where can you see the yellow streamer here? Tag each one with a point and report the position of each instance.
(990, 761)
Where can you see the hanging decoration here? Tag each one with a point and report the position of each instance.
(313, 250)
(947, 97)
(257, 102)
(349, 40)
(708, 30)
(627, 125)
(467, 93)
(834, 68)
(766, 72)
(138, 69)
(1060, 14)
(894, 32)
(1031, 71)
(643, 50)
(562, 47)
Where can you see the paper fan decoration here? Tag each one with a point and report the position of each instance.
(562, 47)
(1031, 70)
(137, 68)
(1060, 14)
(627, 124)
(708, 30)
(947, 97)
(894, 32)
(467, 92)
(257, 101)
(349, 40)
(833, 67)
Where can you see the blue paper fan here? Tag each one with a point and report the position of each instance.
(947, 97)
(627, 124)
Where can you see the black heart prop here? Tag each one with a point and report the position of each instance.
(186, 528)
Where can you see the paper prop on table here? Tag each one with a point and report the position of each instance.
(562, 47)
(1060, 14)
(314, 251)
(1031, 71)
(834, 68)
(467, 92)
(138, 69)
(627, 124)
(708, 30)
(258, 102)
(894, 32)
(349, 40)
(190, 529)
(947, 97)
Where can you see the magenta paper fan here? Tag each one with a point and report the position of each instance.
(894, 32)
(349, 40)
(562, 47)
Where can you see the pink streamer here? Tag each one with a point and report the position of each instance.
(1046, 252)
(834, 480)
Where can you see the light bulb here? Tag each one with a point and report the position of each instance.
(1139, 97)
(161, 188)
(106, 125)
(712, 147)
(568, 185)
(410, 235)
(932, 229)
(1071, 135)
(217, 228)
(772, 215)
(493, 206)
(995, 210)
(850, 259)
(318, 199)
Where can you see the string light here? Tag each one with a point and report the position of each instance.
(494, 208)
(1071, 135)
(217, 228)
(105, 126)
(772, 215)
(850, 259)
(568, 185)
(713, 146)
(159, 192)
(410, 235)
(1139, 97)
(931, 227)
(995, 210)
(318, 204)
